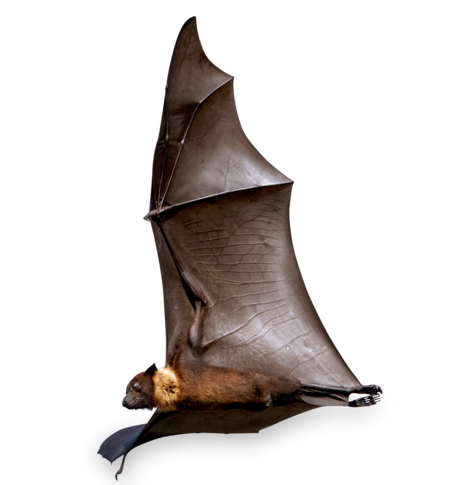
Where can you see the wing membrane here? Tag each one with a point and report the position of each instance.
(258, 315)
(221, 219)
(202, 150)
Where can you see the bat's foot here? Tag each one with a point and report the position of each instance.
(365, 401)
(374, 392)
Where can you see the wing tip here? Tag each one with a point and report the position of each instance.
(189, 21)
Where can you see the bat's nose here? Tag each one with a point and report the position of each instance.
(125, 402)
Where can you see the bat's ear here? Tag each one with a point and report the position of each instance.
(151, 370)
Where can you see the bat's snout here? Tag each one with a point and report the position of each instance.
(125, 402)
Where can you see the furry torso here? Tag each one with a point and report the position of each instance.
(216, 388)
(188, 385)
(167, 389)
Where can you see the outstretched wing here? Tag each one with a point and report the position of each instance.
(220, 213)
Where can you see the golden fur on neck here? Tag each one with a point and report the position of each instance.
(167, 389)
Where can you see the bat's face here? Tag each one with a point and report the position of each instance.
(140, 392)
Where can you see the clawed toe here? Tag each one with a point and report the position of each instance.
(365, 401)
(373, 389)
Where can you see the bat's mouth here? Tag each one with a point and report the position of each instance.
(134, 404)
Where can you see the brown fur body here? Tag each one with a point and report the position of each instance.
(204, 387)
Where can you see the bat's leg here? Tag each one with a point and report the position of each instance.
(345, 391)
(340, 395)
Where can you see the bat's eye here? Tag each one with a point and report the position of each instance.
(135, 385)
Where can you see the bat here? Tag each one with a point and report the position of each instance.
(245, 348)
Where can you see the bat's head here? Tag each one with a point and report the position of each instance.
(140, 393)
